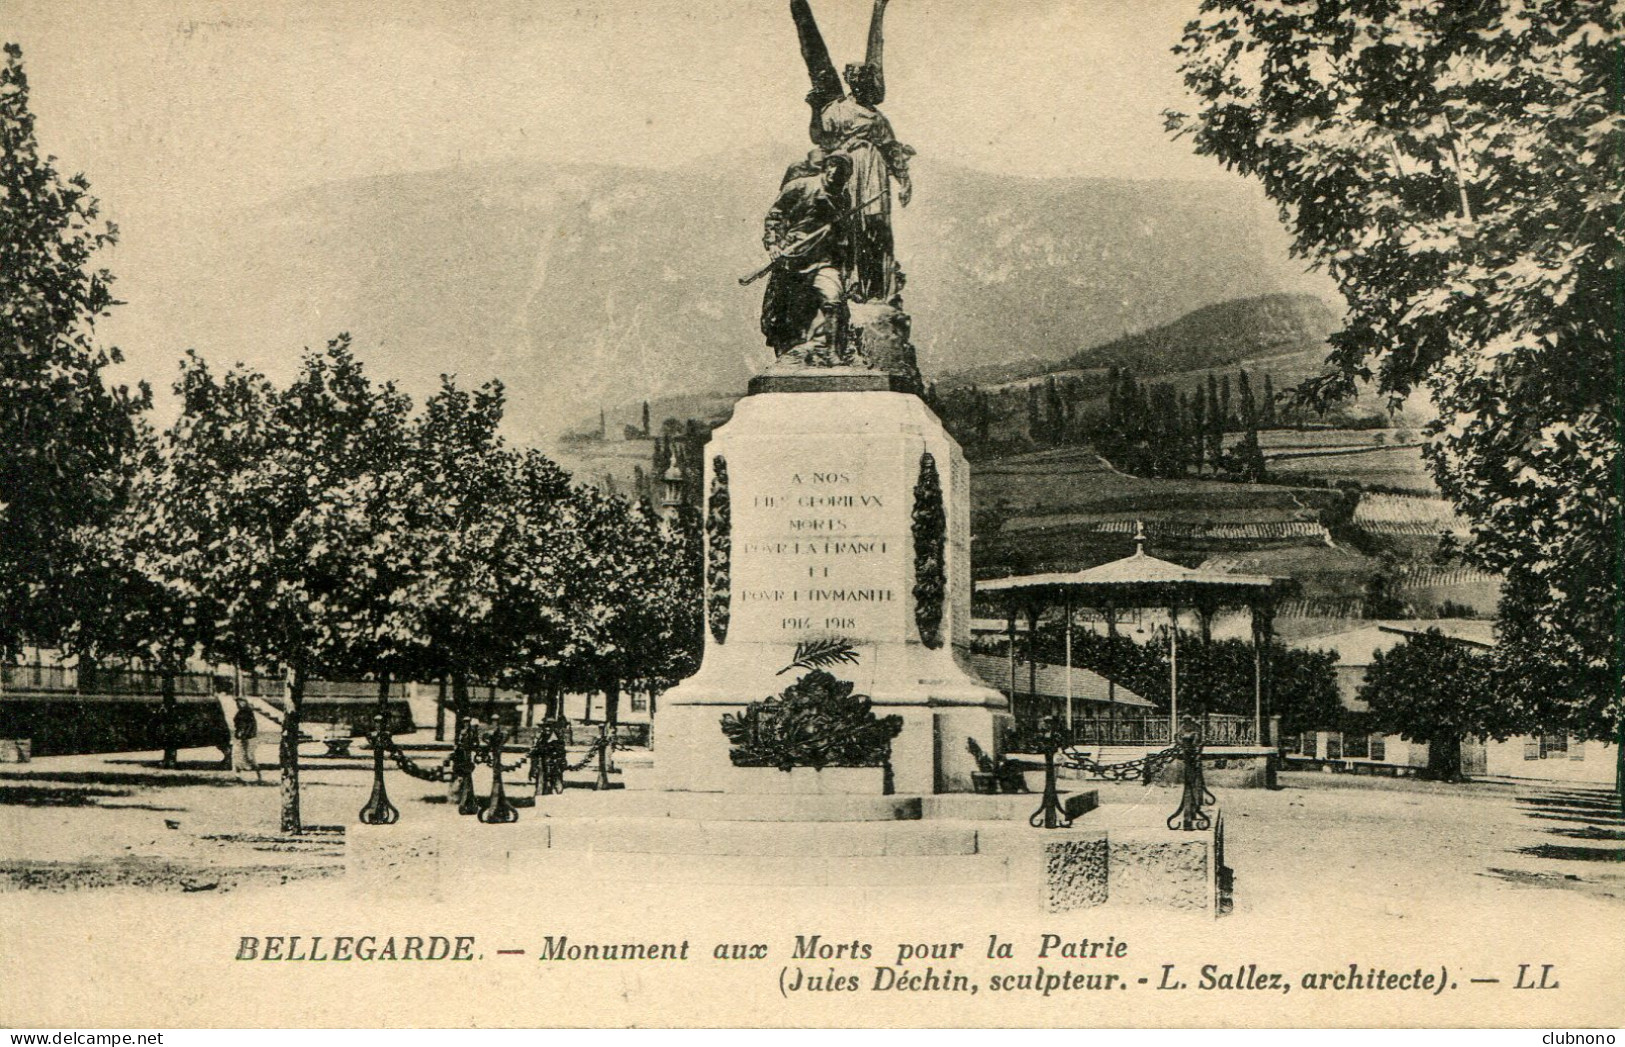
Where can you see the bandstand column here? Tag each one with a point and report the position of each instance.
(1173, 673)
(1067, 601)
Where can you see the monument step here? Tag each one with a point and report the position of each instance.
(903, 871)
(825, 840)
(729, 807)
(732, 807)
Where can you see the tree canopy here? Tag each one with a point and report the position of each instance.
(1457, 167)
(1435, 690)
(66, 432)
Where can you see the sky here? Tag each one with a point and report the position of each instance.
(178, 108)
(186, 114)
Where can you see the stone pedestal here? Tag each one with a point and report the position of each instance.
(821, 543)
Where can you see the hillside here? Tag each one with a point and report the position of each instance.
(586, 285)
(1291, 328)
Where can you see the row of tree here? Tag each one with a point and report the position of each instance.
(1215, 676)
(324, 529)
(1155, 430)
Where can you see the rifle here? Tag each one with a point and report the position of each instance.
(791, 249)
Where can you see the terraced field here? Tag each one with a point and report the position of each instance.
(1066, 509)
(1395, 468)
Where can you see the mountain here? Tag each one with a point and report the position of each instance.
(1220, 335)
(584, 285)
(1245, 331)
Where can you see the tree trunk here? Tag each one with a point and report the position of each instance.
(459, 702)
(440, 712)
(1619, 765)
(289, 752)
(555, 700)
(167, 719)
(1444, 757)
(612, 702)
(461, 785)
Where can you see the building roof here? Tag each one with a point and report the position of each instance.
(1137, 580)
(1358, 647)
(1087, 686)
(1473, 631)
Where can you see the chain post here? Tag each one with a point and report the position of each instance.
(1190, 815)
(1050, 814)
(463, 758)
(603, 757)
(497, 810)
(379, 811)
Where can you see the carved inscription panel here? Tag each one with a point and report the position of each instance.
(821, 547)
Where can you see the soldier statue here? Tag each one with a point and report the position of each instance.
(804, 308)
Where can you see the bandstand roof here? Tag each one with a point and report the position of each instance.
(1137, 580)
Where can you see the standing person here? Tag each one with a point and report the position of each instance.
(244, 729)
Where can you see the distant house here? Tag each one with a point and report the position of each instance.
(1551, 757)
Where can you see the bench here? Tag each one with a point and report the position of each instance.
(336, 736)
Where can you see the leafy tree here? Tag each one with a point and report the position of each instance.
(67, 434)
(1431, 689)
(1458, 169)
(1199, 426)
(129, 603)
(532, 590)
(1381, 597)
(291, 507)
(464, 537)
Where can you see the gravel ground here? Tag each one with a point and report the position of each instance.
(1321, 843)
(124, 890)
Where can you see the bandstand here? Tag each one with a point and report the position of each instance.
(1141, 581)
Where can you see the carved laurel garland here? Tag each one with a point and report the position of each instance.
(930, 526)
(718, 548)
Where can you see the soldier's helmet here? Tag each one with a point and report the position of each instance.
(838, 168)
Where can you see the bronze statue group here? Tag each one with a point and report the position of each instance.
(829, 233)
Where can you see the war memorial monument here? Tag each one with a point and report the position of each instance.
(848, 504)
(835, 736)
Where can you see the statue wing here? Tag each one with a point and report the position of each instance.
(875, 57)
(826, 82)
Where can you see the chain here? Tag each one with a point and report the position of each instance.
(593, 750)
(405, 763)
(443, 773)
(1129, 770)
(507, 768)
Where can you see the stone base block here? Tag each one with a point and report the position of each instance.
(1075, 874)
(1162, 869)
(807, 781)
(1113, 857)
